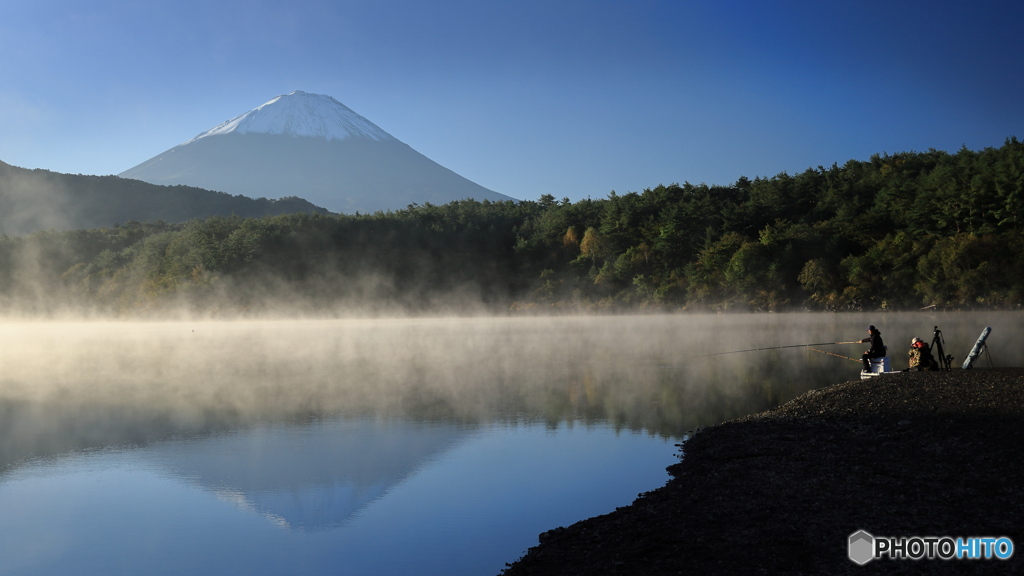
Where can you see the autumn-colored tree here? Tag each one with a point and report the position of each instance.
(592, 245)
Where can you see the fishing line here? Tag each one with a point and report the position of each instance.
(832, 354)
(778, 348)
(676, 367)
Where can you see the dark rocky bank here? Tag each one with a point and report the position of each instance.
(780, 492)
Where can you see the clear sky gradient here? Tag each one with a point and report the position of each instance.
(573, 98)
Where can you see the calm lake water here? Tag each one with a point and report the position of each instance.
(427, 446)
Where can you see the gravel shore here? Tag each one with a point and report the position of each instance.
(908, 454)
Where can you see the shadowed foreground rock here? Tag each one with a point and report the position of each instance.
(910, 454)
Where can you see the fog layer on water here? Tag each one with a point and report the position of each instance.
(67, 386)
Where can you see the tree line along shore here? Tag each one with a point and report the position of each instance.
(900, 231)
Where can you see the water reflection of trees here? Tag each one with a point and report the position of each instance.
(660, 399)
(663, 400)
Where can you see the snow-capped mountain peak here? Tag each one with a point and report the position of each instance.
(314, 147)
(302, 114)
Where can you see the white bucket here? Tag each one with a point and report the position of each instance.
(880, 365)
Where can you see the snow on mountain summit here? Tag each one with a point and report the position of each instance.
(302, 114)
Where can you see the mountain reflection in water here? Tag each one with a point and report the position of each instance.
(307, 477)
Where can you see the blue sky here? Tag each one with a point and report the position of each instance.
(573, 98)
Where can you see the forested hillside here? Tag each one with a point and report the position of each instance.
(900, 231)
(33, 200)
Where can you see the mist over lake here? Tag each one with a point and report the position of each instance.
(385, 446)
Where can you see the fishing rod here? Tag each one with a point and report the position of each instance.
(779, 348)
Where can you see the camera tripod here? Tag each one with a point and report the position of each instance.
(945, 362)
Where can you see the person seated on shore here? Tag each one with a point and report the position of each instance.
(921, 356)
(877, 349)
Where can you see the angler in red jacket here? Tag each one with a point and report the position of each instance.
(921, 356)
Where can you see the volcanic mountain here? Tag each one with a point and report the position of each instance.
(313, 147)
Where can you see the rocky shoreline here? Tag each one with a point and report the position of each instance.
(909, 454)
